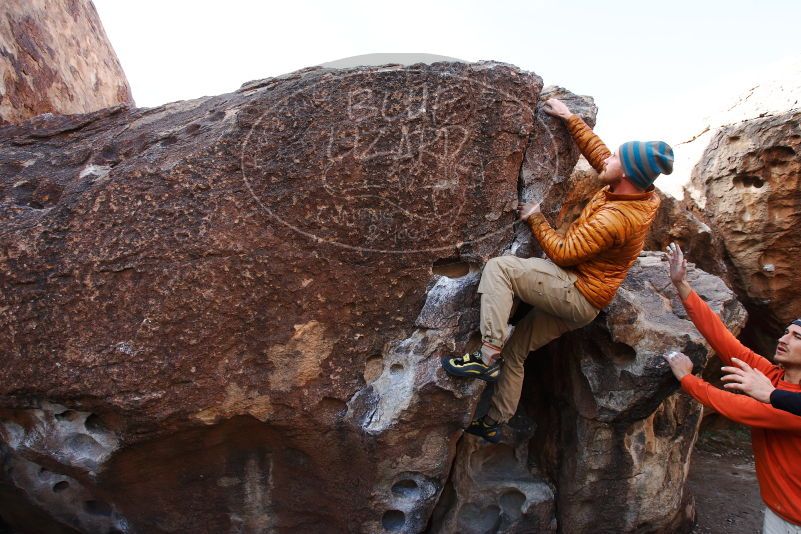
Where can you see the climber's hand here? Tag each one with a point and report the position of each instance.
(556, 108)
(679, 363)
(528, 209)
(678, 270)
(678, 265)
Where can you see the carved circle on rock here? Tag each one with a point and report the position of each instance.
(393, 520)
(363, 168)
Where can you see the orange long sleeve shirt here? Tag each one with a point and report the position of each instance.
(775, 434)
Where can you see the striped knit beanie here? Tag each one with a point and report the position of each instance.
(643, 161)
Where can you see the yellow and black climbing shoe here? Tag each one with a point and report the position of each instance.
(481, 428)
(472, 366)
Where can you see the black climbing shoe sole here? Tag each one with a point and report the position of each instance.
(491, 433)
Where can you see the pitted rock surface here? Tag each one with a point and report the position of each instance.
(746, 185)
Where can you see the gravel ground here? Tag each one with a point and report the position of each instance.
(724, 484)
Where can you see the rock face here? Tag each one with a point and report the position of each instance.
(228, 314)
(678, 221)
(600, 424)
(747, 184)
(229, 288)
(55, 58)
(625, 435)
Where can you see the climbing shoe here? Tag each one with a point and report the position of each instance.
(479, 427)
(472, 366)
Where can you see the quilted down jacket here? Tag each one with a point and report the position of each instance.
(604, 242)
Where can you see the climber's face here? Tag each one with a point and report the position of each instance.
(788, 351)
(612, 171)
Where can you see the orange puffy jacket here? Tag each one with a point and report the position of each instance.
(603, 243)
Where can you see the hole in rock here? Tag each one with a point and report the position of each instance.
(748, 180)
(452, 268)
(779, 154)
(373, 368)
(108, 154)
(393, 520)
(68, 415)
(396, 368)
(512, 503)
(97, 508)
(93, 423)
(407, 489)
(22, 192)
(215, 115)
(61, 486)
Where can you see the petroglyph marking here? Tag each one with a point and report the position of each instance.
(379, 170)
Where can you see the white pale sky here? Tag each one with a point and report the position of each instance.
(654, 68)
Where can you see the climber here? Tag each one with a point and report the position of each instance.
(753, 382)
(585, 268)
(775, 434)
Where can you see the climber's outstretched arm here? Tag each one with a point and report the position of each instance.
(590, 144)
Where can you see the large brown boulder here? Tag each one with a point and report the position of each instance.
(55, 58)
(209, 308)
(229, 313)
(746, 186)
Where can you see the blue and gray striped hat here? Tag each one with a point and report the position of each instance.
(643, 161)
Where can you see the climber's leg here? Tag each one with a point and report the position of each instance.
(536, 281)
(535, 330)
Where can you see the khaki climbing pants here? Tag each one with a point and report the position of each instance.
(558, 307)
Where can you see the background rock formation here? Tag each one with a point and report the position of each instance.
(55, 58)
(746, 185)
(235, 307)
